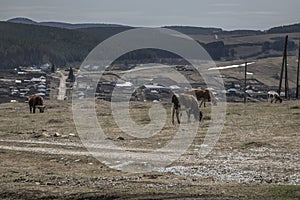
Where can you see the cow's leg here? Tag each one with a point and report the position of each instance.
(33, 109)
(201, 103)
(278, 99)
(177, 115)
(173, 113)
(188, 112)
(200, 116)
(273, 98)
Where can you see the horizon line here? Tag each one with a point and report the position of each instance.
(137, 26)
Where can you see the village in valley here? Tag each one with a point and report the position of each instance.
(44, 80)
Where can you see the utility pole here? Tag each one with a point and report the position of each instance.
(286, 85)
(297, 86)
(284, 66)
(245, 83)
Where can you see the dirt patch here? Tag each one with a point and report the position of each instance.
(256, 144)
(55, 121)
(294, 107)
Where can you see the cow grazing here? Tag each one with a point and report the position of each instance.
(274, 97)
(36, 101)
(203, 95)
(188, 103)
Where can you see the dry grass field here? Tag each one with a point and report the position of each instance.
(267, 70)
(238, 39)
(257, 156)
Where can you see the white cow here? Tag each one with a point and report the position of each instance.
(188, 103)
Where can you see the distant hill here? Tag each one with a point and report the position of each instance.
(21, 20)
(104, 32)
(190, 30)
(26, 42)
(294, 28)
(30, 44)
(243, 32)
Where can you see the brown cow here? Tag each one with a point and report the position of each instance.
(189, 102)
(203, 95)
(36, 101)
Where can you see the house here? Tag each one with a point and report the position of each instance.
(41, 86)
(41, 90)
(36, 80)
(18, 81)
(22, 73)
(153, 92)
(232, 91)
(41, 94)
(126, 86)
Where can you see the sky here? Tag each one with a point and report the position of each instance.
(226, 14)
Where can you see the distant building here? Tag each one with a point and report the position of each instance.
(153, 92)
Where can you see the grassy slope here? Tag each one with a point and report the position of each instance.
(266, 70)
(32, 175)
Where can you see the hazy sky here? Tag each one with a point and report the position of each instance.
(227, 14)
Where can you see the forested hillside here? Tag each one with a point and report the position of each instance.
(22, 44)
(27, 42)
(294, 28)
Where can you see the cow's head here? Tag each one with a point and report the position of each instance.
(277, 97)
(41, 108)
